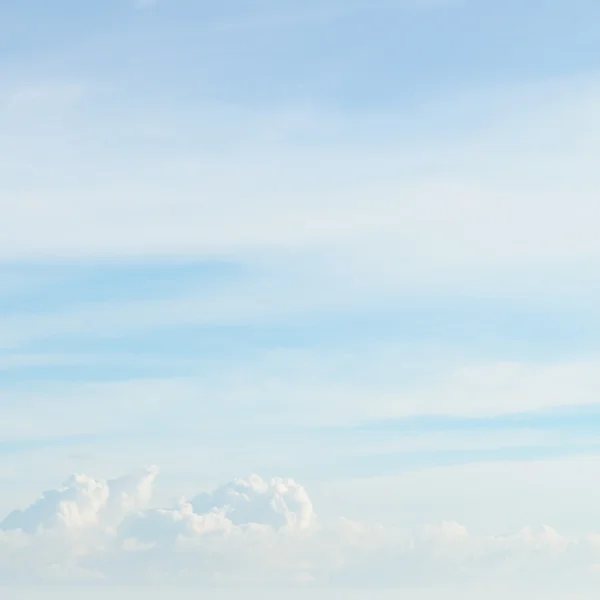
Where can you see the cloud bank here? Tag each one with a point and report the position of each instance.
(254, 532)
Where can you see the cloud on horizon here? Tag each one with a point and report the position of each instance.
(256, 532)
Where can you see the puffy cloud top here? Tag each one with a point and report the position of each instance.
(279, 503)
(84, 501)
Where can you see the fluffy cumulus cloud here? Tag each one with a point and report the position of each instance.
(257, 532)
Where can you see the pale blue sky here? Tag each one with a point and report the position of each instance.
(353, 243)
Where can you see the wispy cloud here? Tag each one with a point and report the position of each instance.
(321, 13)
(400, 201)
(282, 19)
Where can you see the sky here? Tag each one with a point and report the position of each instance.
(299, 296)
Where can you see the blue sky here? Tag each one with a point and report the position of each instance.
(353, 243)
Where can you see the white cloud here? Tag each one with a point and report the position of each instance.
(255, 532)
(83, 502)
(281, 503)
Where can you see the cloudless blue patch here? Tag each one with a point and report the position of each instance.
(67, 286)
(364, 55)
(584, 419)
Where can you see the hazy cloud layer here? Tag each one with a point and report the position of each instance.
(257, 532)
